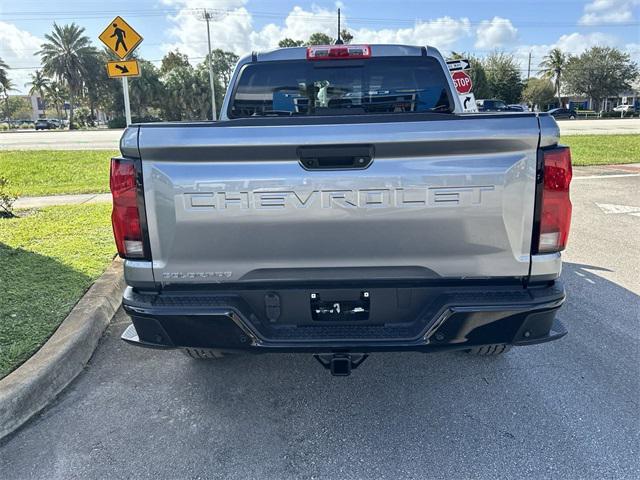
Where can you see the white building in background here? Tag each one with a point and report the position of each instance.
(37, 106)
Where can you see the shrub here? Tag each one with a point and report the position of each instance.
(6, 199)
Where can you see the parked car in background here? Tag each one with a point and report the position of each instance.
(625, 108)
(493, 105)
(516, 107)
(563, 113)
(47, 124)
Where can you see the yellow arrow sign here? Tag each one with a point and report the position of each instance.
(120, 37)
(126, 68)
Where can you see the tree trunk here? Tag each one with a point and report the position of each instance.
(71, 99)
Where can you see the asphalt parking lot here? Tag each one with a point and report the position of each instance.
(109, 139)
(567, 409)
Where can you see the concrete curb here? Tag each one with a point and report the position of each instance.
(27, 390)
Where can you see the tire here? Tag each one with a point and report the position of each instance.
(490, 350)
(572, 117)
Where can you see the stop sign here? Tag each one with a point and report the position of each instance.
(462, 81)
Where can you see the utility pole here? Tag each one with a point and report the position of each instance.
(529, 67)
(207, 17)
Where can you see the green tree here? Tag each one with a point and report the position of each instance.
(18, 108)
(188, 95)
(146, 91)
(65, 56)
(553, 67)
(39, 84)
(319, 38)
(503, 77)
(223, 65)
(599, 73)
(290, 42)
(173, 60)
(95, 86)
(346, 36)
(4, 74)
(538, 91)
(5, 85)
(57, 92)
(477, 73)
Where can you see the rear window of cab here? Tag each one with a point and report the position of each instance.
(376, 85)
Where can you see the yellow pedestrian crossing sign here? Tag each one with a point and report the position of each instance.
(120, 38)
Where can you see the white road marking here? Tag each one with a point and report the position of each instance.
(610, 208)
(618, 175)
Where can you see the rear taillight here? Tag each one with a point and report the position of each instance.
(125, 216)
(555, 208)
(337, 52)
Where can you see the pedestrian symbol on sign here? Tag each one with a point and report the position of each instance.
(120, 36)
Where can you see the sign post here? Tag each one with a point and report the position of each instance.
(122, 40)
(127, 106)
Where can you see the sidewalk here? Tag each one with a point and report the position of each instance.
(50, 200)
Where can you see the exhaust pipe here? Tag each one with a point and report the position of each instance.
(340, 364)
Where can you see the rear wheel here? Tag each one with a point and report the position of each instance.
(490, 350)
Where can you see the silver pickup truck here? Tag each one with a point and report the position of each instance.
(344, 204)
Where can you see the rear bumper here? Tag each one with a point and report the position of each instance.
(419, 318)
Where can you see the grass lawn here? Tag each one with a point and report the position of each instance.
(52, 172)
(48, 259)
(603, 149)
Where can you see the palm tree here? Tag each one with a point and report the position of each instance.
(5, 84)
(57, 93)
(65, 56)
(39, 85)
(553, 66)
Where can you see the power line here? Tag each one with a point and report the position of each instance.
(77, 14)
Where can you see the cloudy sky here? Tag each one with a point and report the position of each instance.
(518, 26)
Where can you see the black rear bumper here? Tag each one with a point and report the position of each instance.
(412, 318)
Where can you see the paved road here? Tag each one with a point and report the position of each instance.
(61, 140)
(567, 409)
(108, 139)
(607, 126)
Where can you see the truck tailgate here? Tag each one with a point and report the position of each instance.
(447, 198)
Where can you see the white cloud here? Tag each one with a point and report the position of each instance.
(234, 29)
(443, 33)
(17, 52)
(573, 43)
(598, 12)
(495, 33)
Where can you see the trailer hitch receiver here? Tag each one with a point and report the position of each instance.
(340, 364)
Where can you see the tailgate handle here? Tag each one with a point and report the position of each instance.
(336, 157)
